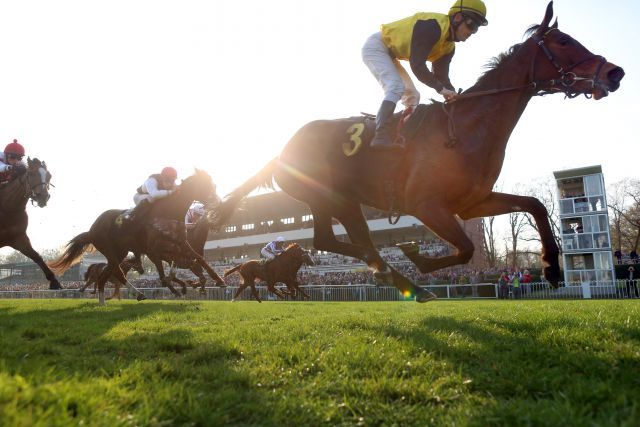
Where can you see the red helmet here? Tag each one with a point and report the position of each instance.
(14, 148)
(169, 173)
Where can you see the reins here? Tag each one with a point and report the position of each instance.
(563, 84)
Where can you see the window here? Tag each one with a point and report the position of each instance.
(267, 223)
(306, 218)
(289, 220)
(247, 227)
(593, 185)
(230, 229)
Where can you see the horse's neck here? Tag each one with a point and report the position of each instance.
(174, 206)
(13, 196)
(199, 234)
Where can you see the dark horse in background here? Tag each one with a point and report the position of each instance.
(168, 251)
(32, 185)
(115, 237)
(282, 269)
(328, 166)
(197, 237)
(92, 274)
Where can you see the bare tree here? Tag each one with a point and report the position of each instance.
(517, 225)
(617, 201)
(624, 205)
(545, 190)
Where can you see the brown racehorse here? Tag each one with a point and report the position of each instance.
(282, 269)
(328, 166)
(32, 185)
(114, 238)
(93, 273)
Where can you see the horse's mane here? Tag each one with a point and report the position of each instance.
(496, 62)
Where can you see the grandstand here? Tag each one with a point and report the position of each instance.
(267, 216)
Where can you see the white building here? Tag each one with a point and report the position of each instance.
(584, 224)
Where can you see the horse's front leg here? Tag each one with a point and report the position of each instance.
(502, 203)
(210, 271)
(202, 279)
(172, 276)
(23, 244)
(164, 280)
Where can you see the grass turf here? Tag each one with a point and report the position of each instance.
(476, 363)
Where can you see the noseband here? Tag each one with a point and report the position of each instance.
(30, 190)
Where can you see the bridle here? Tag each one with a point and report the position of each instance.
(30, 190)
(567, 77)
(564, 83)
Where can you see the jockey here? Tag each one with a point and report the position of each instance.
(195, 212)
(423, 37)
(273, 249)
(155, 187)
(11, 165)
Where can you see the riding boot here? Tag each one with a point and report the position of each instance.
(382, 139)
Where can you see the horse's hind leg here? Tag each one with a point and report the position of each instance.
(271, 286)
(501, 203)
(443, 223)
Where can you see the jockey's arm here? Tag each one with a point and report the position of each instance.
(152, 189)
(441, 71)
(424, 37)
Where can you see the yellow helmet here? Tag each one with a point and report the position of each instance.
(475, 9)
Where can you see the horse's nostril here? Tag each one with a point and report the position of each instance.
(616, 74)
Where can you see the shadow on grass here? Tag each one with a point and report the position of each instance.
(536, 370)
(165, 372)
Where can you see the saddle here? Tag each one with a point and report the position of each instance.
(392, 168)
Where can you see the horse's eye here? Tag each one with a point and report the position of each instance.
(564, 41)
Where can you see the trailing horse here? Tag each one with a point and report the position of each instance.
(32, 185)
(283, 268)
(450, 164)
(93, 273)
(114, 237)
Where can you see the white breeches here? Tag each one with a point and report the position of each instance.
(391, 75)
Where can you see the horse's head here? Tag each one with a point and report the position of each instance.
(38, 181)
(568, 66)
(295, 251)
(200, 186)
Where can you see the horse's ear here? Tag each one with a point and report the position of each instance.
(555, 24)
(547, 18)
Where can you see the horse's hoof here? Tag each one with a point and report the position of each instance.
(552, 274)
(425, 296)
(141, 297)
(408, 248)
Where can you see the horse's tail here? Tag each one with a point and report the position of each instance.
(264, 179)
(233, 270)
(72, 254)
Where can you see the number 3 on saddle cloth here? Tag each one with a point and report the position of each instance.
(374, 169)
